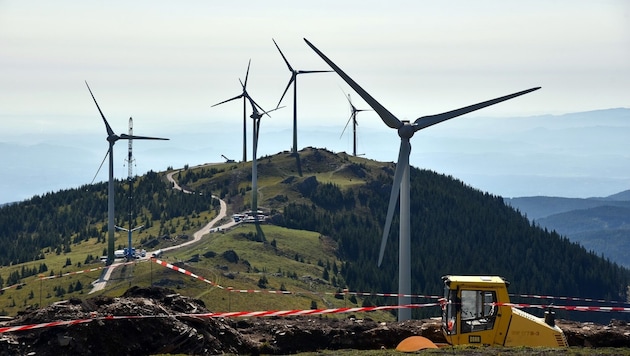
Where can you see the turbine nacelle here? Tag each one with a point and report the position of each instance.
(406, 130)
(113, 138)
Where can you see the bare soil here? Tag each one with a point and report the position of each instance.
(165, 333)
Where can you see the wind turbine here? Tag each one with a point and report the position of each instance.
(112, 138)
(243, 95)
(353, 118)
(401, 182)
(293, 80)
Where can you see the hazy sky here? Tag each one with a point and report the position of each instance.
(165, 62)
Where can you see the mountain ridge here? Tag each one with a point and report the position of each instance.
(600, 224)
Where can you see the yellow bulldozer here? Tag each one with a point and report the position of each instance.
(476, 310)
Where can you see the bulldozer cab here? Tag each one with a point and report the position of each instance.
(474, 312)
(469, 311)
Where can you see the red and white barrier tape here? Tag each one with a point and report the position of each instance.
(346, 292)
(186, 272)
(230, 289)
(8, 329)
(536, 296)
(242, 314)
(71, 273)
(13, 286)
(313, 311)
(361, 294)
(88, 270)
(566, 307)
(370, 294)
(297, 312)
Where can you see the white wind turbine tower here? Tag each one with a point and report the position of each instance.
(353, 118)
(112, 138)
(256, 116)
(243, 95)
(293, 80)
(401, 177)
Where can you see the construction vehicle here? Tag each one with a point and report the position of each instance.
(227, 160)
(476, 310)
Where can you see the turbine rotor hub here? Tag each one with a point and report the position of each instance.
(407, 130)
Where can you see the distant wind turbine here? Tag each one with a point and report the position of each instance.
(293, 80)
(401, 177)
(353, 118)
(112, 138)
(243, 95)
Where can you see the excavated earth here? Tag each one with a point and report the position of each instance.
(168, 331)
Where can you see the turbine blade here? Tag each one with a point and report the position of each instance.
(230, 99)
(283, 57)
(427, 121)
(110, 132)
(254, 104)
(388, 118)
(403, 161)
(99, 167)
(267, 112)
(257, 132)
(255, 107)
(286, 89)
(247, 74)
(349, 100)
(313, 71)
(345, 127)
(134, 137)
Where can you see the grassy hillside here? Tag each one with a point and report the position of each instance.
(289, 260)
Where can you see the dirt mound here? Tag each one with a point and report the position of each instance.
(156, 334)
(615, 334)
(167, 330)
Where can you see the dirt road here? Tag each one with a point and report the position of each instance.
(100, 283)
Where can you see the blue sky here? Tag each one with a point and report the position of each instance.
(165, 63)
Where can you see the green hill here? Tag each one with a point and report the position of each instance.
(326, 215)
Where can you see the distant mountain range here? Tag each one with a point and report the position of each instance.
(601, 225)
(581, 154)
